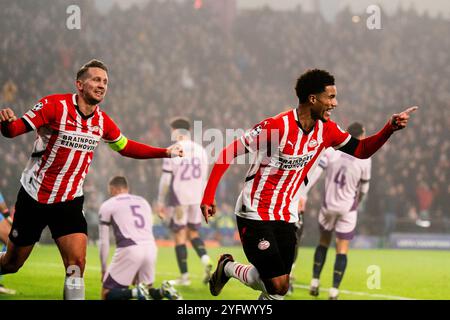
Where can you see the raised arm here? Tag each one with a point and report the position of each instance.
(365, 148)
(136, 150)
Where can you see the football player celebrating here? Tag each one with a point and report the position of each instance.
(69, 128)
(286, 150)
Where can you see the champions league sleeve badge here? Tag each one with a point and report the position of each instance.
(38, 106)
(256, 131)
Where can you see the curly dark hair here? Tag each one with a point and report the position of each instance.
(312, 82)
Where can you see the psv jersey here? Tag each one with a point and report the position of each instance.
(284, 155)
(64, 147)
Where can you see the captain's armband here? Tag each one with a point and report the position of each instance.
(119, 144)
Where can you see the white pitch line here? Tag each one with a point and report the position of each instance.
(301, 286)
(356, 293)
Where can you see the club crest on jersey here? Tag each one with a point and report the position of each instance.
(313, 143)
(38, 106)
(263, 244)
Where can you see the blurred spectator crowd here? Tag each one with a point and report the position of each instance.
(169, 59)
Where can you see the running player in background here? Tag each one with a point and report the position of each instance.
(182, 183)
(134, 261)
(286, 150)
(346, 184)
(69, 128)
(5, 228)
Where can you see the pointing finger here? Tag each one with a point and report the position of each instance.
(410, 110)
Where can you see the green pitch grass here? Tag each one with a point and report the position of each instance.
(370, 274)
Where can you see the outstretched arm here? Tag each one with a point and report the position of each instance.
(365, 148)
(227, 155)
(137, 150)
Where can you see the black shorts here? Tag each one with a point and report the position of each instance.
(268, 245)
(31, 217)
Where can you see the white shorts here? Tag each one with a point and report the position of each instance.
(131, 265)
(180, 216)
(343, 223)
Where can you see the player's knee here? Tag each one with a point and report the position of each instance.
(278, 290)
(279, 287)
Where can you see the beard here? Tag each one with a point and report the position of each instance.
(91, 100)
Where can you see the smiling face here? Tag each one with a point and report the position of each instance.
(93, 85)
(323, 103)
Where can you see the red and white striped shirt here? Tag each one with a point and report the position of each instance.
(64, 147)
(272, 186)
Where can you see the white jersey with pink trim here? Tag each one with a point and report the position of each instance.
(130, 217)
(189, 174)
(345, 176)
(64, 147)
(284, 155)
